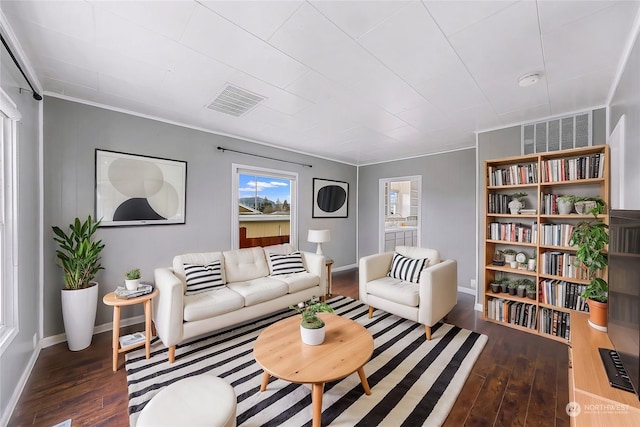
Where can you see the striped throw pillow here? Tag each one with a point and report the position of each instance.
(407, 269)
(286, 264)
(202, 278)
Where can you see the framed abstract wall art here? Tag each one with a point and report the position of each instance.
(330, 198)
(139, 190)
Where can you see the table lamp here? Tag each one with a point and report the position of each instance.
(319, 237)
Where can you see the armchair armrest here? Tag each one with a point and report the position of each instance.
(438, 291)
(315, 264)
(373, 267)
(168, 306)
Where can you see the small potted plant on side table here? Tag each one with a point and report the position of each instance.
(132, 280)
(312, 328)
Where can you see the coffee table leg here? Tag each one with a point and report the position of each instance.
(265, 381)
(363, 380)
(316, 400)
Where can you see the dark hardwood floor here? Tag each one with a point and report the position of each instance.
(519, 379)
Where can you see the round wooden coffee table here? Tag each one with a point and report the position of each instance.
(281, 353)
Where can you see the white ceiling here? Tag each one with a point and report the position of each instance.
(355, 81)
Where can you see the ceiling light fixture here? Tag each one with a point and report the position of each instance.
(528, 79)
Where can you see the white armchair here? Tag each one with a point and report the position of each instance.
(426, 302)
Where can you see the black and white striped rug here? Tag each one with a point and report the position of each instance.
(413, 381)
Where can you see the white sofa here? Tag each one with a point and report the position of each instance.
(250, 291)
(426, 302)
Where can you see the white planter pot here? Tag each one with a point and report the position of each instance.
(564, 208)
(132, 285)
(79, 315)
(312, 336)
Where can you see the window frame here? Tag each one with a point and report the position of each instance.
(238, 169)
(9, 116)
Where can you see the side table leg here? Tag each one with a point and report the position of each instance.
(116, 335)
(316, 401)
(363, 380)
(265, 381)
(147, 327)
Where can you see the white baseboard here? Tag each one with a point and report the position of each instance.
(57, 339)
(465, 290)
(15, 397)
(345, 267)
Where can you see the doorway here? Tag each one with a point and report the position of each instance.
(400, 204)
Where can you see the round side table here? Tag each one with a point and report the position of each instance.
(116, 303)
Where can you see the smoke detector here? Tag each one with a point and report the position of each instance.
(528, 79)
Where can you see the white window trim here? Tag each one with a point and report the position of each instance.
(9, 289)
(235, 219)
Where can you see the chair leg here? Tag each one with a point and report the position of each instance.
(428, 331)
(172, 354)
(371, 312)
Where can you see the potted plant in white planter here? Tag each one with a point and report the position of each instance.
(79, 256)
(565, 204)
(132, 280)
(312, 328)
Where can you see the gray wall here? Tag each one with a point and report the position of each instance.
(506, 143)
(72, 133)
(15, 359)
(448, 206)
(626, 100)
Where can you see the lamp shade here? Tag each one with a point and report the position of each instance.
(319, 237)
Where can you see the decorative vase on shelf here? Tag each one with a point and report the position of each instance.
(515, 205)
(564, 207)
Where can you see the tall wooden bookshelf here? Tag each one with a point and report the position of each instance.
(540, 232)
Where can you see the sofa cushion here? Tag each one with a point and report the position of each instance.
(203, 278)
(201, 258)
(241, 265)
(415, 252)
(395, 290)
(211, 303)
(407, 269)
(285, 264)
(282, 249)
(259, 290)
(299, 281)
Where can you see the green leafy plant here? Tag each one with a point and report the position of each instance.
(591, 237)
(133, 274)
(570, 198)
(79, 253)
(309, 310)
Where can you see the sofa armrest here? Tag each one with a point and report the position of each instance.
(438, 291)
(168, 306)
(373, 267)
(315, 264)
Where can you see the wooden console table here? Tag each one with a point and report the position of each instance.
(599, 404)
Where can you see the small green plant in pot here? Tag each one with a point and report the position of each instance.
(132, 280)
(78, 254)
(591, 237)
(312, 328)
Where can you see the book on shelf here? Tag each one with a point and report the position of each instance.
(124, 293)
(131, 339)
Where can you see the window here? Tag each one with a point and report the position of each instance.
(264, 207)
(8, 244)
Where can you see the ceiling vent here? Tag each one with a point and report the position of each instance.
(558, 134)
(235, 101)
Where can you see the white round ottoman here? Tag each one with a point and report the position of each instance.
(203, 400)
